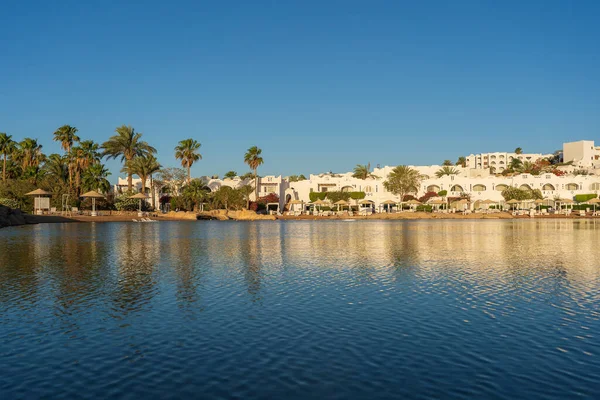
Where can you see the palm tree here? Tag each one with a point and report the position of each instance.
(144, 167)
(446, 170)
(187, 152)
(95, 178)
(230, 174)
(7, 146)
(254, 160)
(402, 180)
(519, 150)
(363, 172)
(515, 164)
(29, 153)
(82, 157)
(447, 163)
(56, 166)
(195, 192)
(67, 135)
(462, 161)
(126, 144)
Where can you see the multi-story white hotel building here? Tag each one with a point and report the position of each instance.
(498, 162)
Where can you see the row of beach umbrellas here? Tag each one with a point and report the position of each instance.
(92, 194)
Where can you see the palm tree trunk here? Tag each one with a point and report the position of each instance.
(189, 174)
(129, 181)
(4, 169)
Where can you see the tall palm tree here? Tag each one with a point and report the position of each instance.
(462, 161)
(253, 159)
(83, 157)
(446, 170)
(144, 166)
(447, 163)
(7, 146)
(519, 150)
(402, 180)
(67, 135)
(126, 145)
(95, 178)
(187, 152)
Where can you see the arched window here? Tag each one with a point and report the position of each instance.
(572, 186)
(548, 186)
(525, 187)
(479, 188)
(500, 187)
(347, 189)
(368, 189)
(433, 188)
(457, 188)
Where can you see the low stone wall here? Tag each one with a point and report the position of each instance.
(14, 217)
(221, 215)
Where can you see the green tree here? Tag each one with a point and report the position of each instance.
(402, 180)
(446, 170)
(56, 167)
(67, 135)
(363, 172)
(81, 158)
(519, 150)
(195, 193)
(515, 165)
(29, 153)
(246, 191)
(96, 178)
(462, 162)
(7, 147)
(126, 144)
(187, 152)
(144, 166)
(230, 174)
(447, 163)
(253, 159)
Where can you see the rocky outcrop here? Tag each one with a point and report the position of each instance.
(14, 217)
(249, 215)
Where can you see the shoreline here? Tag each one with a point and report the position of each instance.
(54, 219)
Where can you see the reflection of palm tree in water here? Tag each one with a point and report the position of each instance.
(251, 258)
(136, 284)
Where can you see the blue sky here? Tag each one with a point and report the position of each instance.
(318, 85)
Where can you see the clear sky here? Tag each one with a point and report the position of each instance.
(318, 85)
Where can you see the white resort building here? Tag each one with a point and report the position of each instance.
(474, 180)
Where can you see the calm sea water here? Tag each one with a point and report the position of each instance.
(348, 310)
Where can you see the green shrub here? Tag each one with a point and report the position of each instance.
(425, 207)
(357, 195)
(442, 193)
(314, 196)
(11, 203)
(582, 198)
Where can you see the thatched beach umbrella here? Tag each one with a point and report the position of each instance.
(437, 203)
(413, 202)
(294, 202)
(93, 195)
(594, 202)
(140, 196)
(388, 203)
(340, 203)
(38, 193)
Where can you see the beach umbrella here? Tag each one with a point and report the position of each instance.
(38, 193)
(93, 195)
(140, 196)
(340, 203)
(293, 202)
(513, 202)
(388, 203)
(594, 202)
(414, 202)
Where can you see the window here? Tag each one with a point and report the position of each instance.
(548, 186)
(479, 188)
(368, 189)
